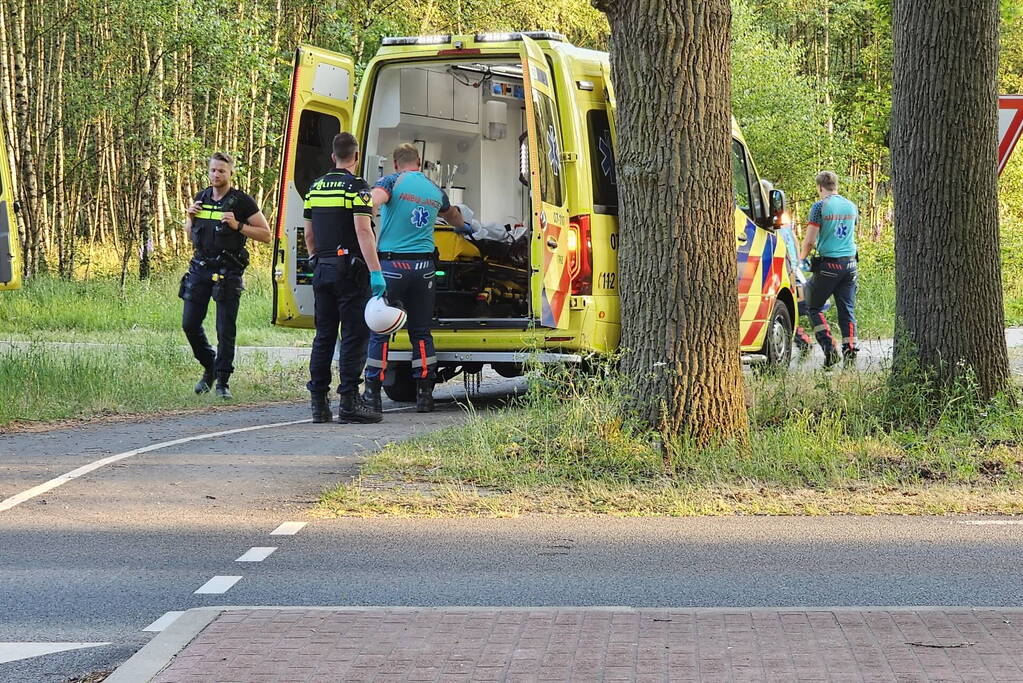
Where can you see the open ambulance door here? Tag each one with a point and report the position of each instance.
(550, 286)
(322, 102)
(10, 260)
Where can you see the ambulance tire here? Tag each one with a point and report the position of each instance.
(778, 342)
(403, 387)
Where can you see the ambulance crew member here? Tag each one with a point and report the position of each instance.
(832, 228)
(219, 221)
(409, 204)
(339, 236)
(803, 340)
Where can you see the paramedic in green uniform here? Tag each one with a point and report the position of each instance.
(409, 205)
(832, 229)
(219, 222)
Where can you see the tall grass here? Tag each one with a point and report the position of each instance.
(814, 431)
(44, 384)
(98, 310)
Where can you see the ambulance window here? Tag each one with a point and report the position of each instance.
(316, 133)
(740, 179)
(602, 163)
(755, 190)
(549, 148)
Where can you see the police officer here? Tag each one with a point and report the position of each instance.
(409, 204)
(219, 222)
(832, 229)
(339, 236)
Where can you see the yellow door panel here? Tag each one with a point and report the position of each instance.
(10, 251)
(552, 240)
(322, 101)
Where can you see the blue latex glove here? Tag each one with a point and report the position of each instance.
(377, 282)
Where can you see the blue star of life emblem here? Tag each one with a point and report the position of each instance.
(553, 155)
(842, 230)
(420, 217)
(607, 157)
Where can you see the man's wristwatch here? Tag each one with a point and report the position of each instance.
(241, 224)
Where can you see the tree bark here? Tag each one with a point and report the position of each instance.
(670, 63)
(948, 301)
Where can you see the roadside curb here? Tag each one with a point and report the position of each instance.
(158, 654)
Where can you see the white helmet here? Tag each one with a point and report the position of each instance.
(384, 317)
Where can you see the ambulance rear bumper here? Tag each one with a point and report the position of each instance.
(492, 357)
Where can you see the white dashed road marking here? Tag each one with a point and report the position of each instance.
(288, 529)
(218, 585)
(992, 522)
(163, 622)
(256, 554)
(12, 652)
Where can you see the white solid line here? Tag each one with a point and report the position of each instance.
(163, 622)
(257, 554)
(20, 498)
(288, 529)
(12, 652)
(992, 522)
(218, 585)
(31, 493)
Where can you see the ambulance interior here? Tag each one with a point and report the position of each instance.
(468, 121)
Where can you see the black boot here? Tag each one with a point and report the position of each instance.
(424, 395)
(222, 390)
(206, 383)
(321, 408)
(831, 358)
(352, 409)
(371, 396)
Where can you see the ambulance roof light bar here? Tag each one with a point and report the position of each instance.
(507, 37)
(417, 40)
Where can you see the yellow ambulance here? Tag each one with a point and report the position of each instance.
(10, 252)
(519, 127)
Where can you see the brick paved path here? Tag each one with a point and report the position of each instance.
(604, 644)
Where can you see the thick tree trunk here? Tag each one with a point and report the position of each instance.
(948, 298)
(670, 64)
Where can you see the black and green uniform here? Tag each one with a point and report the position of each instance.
(340, 279)
(216, 272)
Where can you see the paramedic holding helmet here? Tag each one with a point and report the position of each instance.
(832, 229)
(409, 205)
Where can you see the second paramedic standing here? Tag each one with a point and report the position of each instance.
(409, 205)
(832, 229)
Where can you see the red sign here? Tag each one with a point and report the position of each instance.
(1010, 126)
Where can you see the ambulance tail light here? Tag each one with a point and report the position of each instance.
(580, 255)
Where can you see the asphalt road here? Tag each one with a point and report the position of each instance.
(101, 557)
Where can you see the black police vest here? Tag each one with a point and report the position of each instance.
(209, 234)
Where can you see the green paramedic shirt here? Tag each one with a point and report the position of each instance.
(836, 217)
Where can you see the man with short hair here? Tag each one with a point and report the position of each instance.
(832, 230)
(409, 205)
(219, 221)
(346, 271)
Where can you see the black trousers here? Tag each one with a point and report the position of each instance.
(207, 280)
(836, 277)
(340, 292)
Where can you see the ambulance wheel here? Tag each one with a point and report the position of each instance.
(403, 389)
(778, 342)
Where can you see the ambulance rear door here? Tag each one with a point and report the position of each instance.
(10, 262)
(322, 102)
(550, 285)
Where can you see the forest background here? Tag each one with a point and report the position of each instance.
(111, 107)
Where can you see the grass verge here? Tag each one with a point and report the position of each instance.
(42, 384)
(847, 443)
